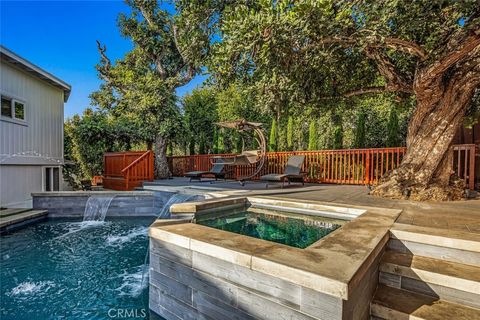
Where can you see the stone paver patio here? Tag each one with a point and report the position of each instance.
(461, 216)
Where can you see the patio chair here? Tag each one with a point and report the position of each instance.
(292, 172)
(217, 171)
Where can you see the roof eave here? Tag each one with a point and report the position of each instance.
(14, 59)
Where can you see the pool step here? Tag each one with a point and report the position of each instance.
(19, 219)
(398, 304)
(450, 281)
(428, 273)
(5, 212)
(441, 244)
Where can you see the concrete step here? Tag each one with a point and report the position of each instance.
(442, 244)
(11, 211)
(397, 304)
(442, 279)
(11, 222)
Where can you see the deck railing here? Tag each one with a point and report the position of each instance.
(127, 170)
(464, 163)
(349, 166)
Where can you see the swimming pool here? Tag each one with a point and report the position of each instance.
(64, 269)
(290, 229)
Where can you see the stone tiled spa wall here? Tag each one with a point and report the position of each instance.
(185, 284)
(72, 204)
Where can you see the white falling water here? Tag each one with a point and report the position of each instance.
(165, 214)
(176, 198)
(97, 207)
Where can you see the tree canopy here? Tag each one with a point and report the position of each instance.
(322, 73)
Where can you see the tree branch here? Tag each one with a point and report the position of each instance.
(407, 47)
(182, 77)
(157, 58)
(395, 82)
(148, 18)
(462, 46)
(104, 68)
(392, 43)
(104, 59)
(190, 73)
(362, 91)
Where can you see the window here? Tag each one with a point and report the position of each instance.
(51, 179)
(12, 108)
(19, 110)
(6, 107)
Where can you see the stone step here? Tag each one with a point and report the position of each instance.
(446, 280)
(442, 244)
(397, 304)
(11, 211)
(13, 221)
(467, 241)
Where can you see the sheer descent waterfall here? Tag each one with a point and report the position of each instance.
(176, 198)
(96, 207)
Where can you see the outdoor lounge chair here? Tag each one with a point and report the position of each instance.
(292, 172)
(217, 170)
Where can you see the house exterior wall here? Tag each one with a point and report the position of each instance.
(17, 183)
(27, 146)
(41, 136)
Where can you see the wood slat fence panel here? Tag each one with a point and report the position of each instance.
(127, 170)
(464, 163)
(350, 166)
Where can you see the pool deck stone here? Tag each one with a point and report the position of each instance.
(396, 304)
(21, 218)
(461, 215)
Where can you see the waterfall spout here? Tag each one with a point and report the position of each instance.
(176, 198)
(96, 207)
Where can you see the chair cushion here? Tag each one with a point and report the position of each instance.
(195, 173)
(273, 177)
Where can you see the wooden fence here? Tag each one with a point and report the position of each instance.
(350, 166)
(464, 163)
(127, 170)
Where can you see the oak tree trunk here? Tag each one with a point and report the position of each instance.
(426, 170)
(161, 164)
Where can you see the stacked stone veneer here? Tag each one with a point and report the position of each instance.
(185, 284)
(124, 204)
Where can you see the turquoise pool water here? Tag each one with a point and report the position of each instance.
(279, 228)
(62, 269)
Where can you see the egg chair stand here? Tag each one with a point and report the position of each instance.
(246, 157)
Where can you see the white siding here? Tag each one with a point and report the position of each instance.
(17, 183)
(41, 139)
(26, 147)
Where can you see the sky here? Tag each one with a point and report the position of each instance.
(59, 36)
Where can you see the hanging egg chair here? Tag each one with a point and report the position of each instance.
(246, 157)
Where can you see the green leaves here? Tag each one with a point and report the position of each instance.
(200, 114)
(272, 141)
(312, 136)
(393, 129)
(89, 136)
